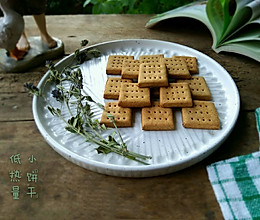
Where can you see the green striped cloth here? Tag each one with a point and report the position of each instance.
(257, 115)
(236, 184)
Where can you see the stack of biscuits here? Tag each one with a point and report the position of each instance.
(158, 85)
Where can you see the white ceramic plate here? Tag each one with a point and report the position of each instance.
(170, 150)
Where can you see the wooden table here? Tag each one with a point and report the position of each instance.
(67, 191)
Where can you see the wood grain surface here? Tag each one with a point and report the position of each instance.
(67, 191)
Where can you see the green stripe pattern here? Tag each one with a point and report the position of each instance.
(236, 184)
(257, 115)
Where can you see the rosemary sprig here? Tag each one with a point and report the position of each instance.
(81, 119)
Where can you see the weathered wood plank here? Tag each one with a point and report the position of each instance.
(15, 107)
(96, 195)
(101, 28)
(182, 195)
(19, 131)
(242, 140)
(13, 83)
(58, 179)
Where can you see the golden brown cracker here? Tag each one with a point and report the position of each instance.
(199, 88)
(152, 75)
(156, 118)
(115, 62)
(202, 115)
(112, 87)
(132, 96)
(192, 64)
(152, 59)
(177, 68)
(122, 116)
(130, 69)
(176, 95)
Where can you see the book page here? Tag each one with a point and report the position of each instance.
(247, 48)
(246, 12)
(196, 10)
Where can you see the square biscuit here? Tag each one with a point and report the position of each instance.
(122, 116)
(152, 59)
(156, 118)
(112, 87)
(132, 96)
(152, 75)
(203, 115)
(177, 68)
(199, 88)
(115, 62)
(176, 95)
(130, 69)
(192, 64)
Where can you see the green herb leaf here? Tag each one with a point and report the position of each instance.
(57, 94)
(70, 129)
(102, 150)
(52, 110)
(31, 89)
(82, 121)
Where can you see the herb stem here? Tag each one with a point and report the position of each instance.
(68, 107)
(118, 133)
(82, 123)
(115, 148)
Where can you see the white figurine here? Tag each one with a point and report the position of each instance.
(12, 35)
(11, 28)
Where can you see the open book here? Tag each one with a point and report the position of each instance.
(234, 24)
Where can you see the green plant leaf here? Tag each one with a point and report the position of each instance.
(148, 6)
(70, 129)
(112, 7)
(102, 150)
(215, 12)
(86, 3)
